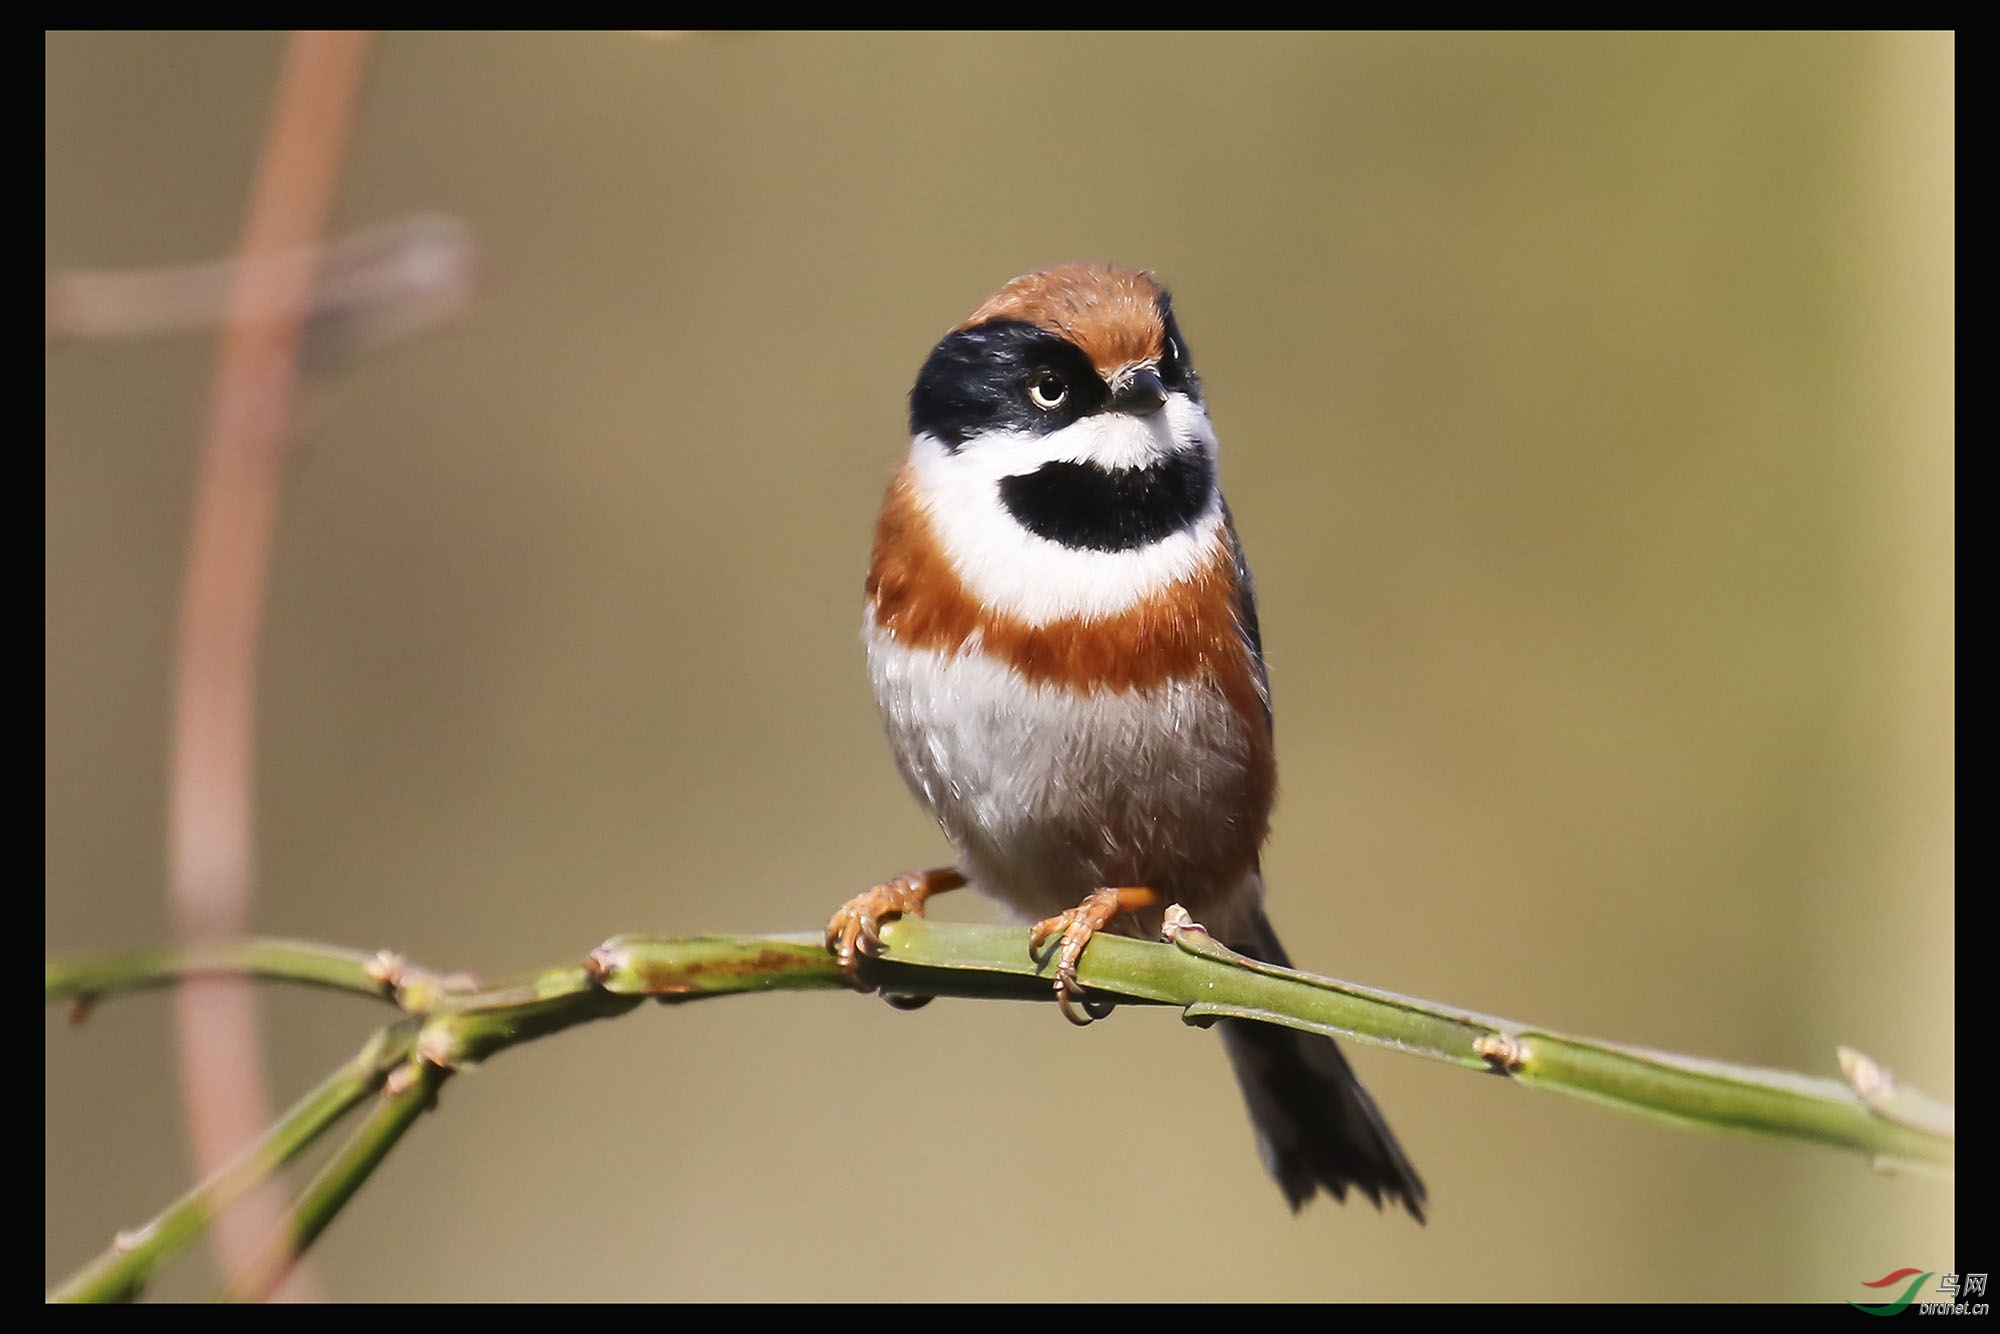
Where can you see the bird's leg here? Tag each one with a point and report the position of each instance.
(1076, 927)
(856, 929)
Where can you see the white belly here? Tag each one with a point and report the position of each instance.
(1050, 793)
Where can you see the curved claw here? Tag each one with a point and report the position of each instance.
(855, 932)
(1076, 926)
(1074, 1008)
(1078, 1005)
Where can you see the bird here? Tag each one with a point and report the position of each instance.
(1062, 637)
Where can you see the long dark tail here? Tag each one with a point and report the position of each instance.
(1317, 1128)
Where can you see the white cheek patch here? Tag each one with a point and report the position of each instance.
(1033, 578)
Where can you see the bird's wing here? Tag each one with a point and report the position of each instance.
(1246, 615)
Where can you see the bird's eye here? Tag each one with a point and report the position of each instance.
(1048, 389)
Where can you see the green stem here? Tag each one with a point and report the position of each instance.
(121, 1273)
(410, 1090)
(462, 1022)
(85, 978)
(1893, 1126)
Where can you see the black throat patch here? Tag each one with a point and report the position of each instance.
(1111, 509)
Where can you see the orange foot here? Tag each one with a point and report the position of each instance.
(1076, 927)
(856, 930)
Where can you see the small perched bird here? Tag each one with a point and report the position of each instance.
(1063, 641)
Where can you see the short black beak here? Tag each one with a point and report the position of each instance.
(1142, 395)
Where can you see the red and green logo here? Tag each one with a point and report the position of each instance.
(1902, 1303)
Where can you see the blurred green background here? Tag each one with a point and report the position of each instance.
(1587, 410)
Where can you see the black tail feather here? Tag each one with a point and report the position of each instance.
(1317, 1128)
